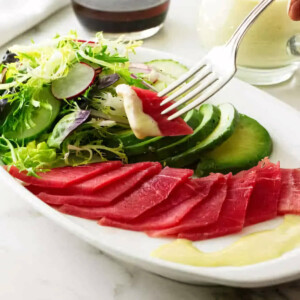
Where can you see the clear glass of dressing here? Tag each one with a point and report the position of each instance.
(269, 52)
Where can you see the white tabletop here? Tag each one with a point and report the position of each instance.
(41, 261)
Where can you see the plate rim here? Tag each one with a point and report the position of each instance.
(207, 274)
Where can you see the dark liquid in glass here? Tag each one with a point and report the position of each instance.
(121, 16)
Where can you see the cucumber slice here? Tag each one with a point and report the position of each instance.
(163, 81)
(169, 70)
(211, 117)
(249, 144)
(225, 128)
(42, 118)
(127, 138)
(151, 145)
(168, 66)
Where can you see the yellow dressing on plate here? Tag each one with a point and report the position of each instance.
(250, 249)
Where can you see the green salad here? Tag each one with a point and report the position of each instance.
(59, 106)
(40, 126)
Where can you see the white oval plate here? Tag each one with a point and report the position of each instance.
(283, 123)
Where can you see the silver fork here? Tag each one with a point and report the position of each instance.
(213, 71)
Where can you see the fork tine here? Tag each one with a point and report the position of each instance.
(201, 87)
(210, 91)
(183, 78)
(201, 74)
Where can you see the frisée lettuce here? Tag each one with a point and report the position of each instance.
(33, 68)
(59, 103)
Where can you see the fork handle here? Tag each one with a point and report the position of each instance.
(238, 35)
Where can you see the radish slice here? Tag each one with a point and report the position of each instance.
(79, 78)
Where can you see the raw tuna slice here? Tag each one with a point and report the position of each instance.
(150, 194)
(172, 210)
(107, 194)
(289, 199)
(264, 199)
(143, 111)
(98, 182)
(66, 176)
(205, 213)
(233, 212)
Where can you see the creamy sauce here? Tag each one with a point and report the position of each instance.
(141, 124)
(265, 44)
(250, 249)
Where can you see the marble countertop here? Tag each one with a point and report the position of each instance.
(41, 261)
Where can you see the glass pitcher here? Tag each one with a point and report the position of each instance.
(270, 50)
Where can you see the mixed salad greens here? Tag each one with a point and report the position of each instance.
(41, 126)
(59, 106)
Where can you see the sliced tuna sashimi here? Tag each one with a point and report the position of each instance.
(107, 194)
(264, 199)
(233, 212)
(150, 194)
(152, 107)
(91, 186)
(182, 193)
(65, 176)
(205, 213)
(98, 182)
(143, 111)
(172, 210)
(289, 199)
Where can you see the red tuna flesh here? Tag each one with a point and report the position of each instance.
(205, 213)
(289, 199)
(151, 106)
(105, 195)
(150, 194)
(233, 212)
(98, 182)
(65, 176)
(264, 199)
(172, 210)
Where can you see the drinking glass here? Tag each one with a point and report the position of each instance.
(269, 52)
(137, 19)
